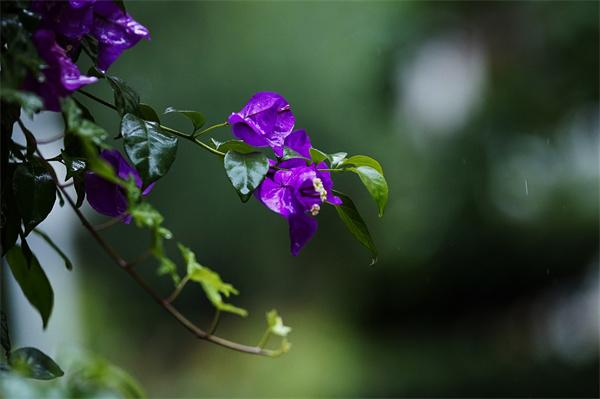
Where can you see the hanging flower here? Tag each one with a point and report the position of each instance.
(109, 198)
(265, 121)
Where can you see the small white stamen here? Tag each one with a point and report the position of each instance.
(318, 185)
(314, 210)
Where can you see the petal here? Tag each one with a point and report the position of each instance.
(244, 131)
(105, 197)
(302, 228)
(299, 142)
(327, 184)
(276, 197)
(121, 166)
(116, 31)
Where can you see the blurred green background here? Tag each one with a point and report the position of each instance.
(485, 119)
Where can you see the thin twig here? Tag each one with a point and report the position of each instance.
(107, 224)
(181, 319)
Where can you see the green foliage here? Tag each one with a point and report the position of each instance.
(233, 145)
(318, 156)
(29, 102)
(355, 224)
(211, 282)
(245, 171)
(75, 168)
(55, 247)
(33, 363)
(375, 184)
(275, 324)
(198, 120)
(150, 149)
(147, 113)
(33, 281)
(35, 192)
(10, 219)
(76, 123)
(127, 100)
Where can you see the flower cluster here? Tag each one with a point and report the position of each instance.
(294, 188)
(63, 26)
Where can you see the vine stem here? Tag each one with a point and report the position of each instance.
(127, 267)
(191, 137)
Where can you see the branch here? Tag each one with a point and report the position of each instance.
(181, 319)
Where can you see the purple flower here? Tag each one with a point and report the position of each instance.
(297, 192)
(265, 121)
(62, 77)
(106, 197)
(115, 30)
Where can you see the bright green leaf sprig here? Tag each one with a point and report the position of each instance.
(275, 326)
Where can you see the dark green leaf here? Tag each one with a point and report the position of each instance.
(233, 145)
(246, 171)
(196, 117)
(55, 247)
(127, 100)
(355, 223)
(33, 363)
(33, 281)
(150, 149)
(29, 102)
(147, 113)
(288, 153)
(363, 160)
(35, 193)
(74, 166)
(375, 184)
(30, 139)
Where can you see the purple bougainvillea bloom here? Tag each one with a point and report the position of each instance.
(265, 121)
(297, 193)
(106, 197)
(299, 142)
(115, 30)
(62, 77)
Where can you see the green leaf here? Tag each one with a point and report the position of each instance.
(198, 120)
(55, 247)
(29, 102)
(77, 124)
(150, 149)
(355, 223)
(318, 156)
(211, 282)
(127, 100)
(288, 153)
(33, 281)
(375, 184)
(30, 139)
(337, 158)
(275, 324)
(35, 193)
(74, 166)
(147, 113)
(233, 145)
(363, 160)
(245, 171)
(33, 363)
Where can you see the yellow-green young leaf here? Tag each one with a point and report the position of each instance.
(145, 216)
(167, 266)
(337, 158)
(211, 282)
(375, 184)
(275, 323)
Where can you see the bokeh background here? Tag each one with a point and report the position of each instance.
(485, 119)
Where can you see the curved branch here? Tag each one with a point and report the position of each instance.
(126, 266)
